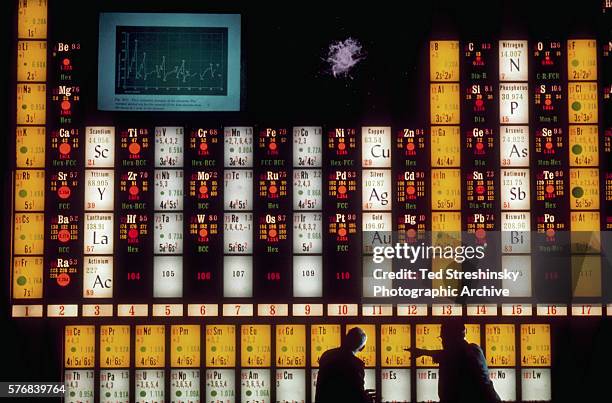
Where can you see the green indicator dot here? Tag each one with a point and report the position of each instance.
(143, 393)
(439, 192)
(232, 149)
(108, 349)
(213, 393)
(301, 150)
(388, 348)
(319, 348)
(577, 149)
(22, 237)
(528, 348)
(143, 349)
(178, 393)
(24, 106)
(161, 149)
(73, 349)
(162, 193)
(301, 235)
(575, 62)
(108, 394)
(249, 393)
(23, 149)
(249, 348)
(72, 394)
(23, 193)
(300, 192)
(22, 280)
(577, 192)
(161, 235)
(213, 348)
(25, 63)
(284, 349)
(493, 348)
(576, 106)
(179, 348)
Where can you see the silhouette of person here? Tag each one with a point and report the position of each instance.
(341, 374)
(463, 374)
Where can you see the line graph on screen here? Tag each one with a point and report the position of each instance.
(171, 60)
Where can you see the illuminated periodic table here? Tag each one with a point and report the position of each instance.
(217, 263)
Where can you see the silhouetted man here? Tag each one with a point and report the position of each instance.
(341, 375)
(463, 375)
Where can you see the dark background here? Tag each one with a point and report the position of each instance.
(286, 82)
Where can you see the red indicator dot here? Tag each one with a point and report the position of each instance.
(410, 190)
(203, 146)
(342, 189)
(342, 232)
(411, 233)
(479, 102)
(63, 279)
(273, 189)
(66, 62)
(341, 146)
(410, 146)
(547, 57)
(203, 233)
(64, 148)
(478, 57)
(550, 232)
(203, 189)
(63, 192)
(550, 189)
(547, 102)
(480, 233)
(65, 105)
(134, 190)
(133, 233)
(272, 146)
(479, 146)
(272, 233)
(63, 235)
(480, 189)
(134, 148)
(548, 145)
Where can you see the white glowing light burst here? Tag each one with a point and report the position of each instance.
(344, 55)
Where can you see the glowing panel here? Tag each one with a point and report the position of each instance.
(582, 59)
(169, 147)
(238, 233)
(585, 234)
(220, 346)
(427, 339)
(114, 386)
(446, 189)
(27, 277)
(393, 340)
(395, 385)
(586, 276)
(515, 189)
(307, 276)
(514, 146)
(185, 346)
(31, 104)
(290, 385)
(31, 60)
(514, 103)
(536, 384)
(255, 346)
(323, 338)
(582, 102)
(168, 233)
(584, 146)
(185, 385)
(584, 189)
(29, 190)
(115, 346)
(376, 147)
(377, 229)
(220, 385)
(427, 384)
(238, 276)
(535, 345)
(255, 385)
(444, 60)
(32, 19)
(238, 190)
(167, 276)
(290, 346)
(444, 102)
(307, 146)
(149, 385)
(29, 230)
(445, 147)
(98, 277)
(79, 386)
(238, 147)
(150, 346)
(100, 147)
(79, 346)
(99, 190)
(500, 342)
(519, 264)
(513, 62)
(307, 189)
(307, 233)
(504, 382)
(30, 144)
(516, 232)
(168, 189)
(376, 190)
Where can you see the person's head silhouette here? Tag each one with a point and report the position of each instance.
(355, 340)
(452, 333)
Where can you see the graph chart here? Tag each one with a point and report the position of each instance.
(171, 60)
